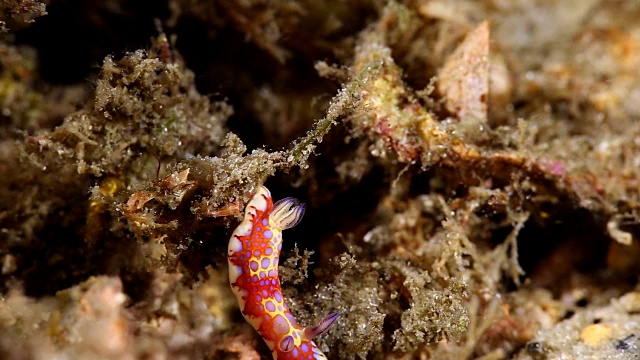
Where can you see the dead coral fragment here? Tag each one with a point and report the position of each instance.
(231, 177)
(170, 190)
(142, 106)
(144, 112)
(433, 315)
(20, 12)
(100, 317)
(147, 103)
(398, 126)
(354, 292)
(88, 319)
(198, 188)
(590, 333)
(464, 79)
(242, 346)
(386, 111)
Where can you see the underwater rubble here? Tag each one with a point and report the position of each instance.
(469, 168)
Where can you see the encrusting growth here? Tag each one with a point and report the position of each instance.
(254, 249)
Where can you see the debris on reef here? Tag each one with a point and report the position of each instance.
(464, 80)
(16, 13)
(470, 170)
(602, 332)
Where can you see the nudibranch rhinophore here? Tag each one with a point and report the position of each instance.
(253, 254)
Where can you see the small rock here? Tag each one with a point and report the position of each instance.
(596, 334)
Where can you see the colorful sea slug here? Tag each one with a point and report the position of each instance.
(254, 249)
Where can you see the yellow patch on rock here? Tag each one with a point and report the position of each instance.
(596, 334)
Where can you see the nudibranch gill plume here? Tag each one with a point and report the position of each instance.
(253, 254)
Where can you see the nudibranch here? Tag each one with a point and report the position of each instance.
(253, 254)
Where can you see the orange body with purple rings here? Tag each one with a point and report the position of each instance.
(254, 250)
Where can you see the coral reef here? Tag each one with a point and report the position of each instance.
(470, 170)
